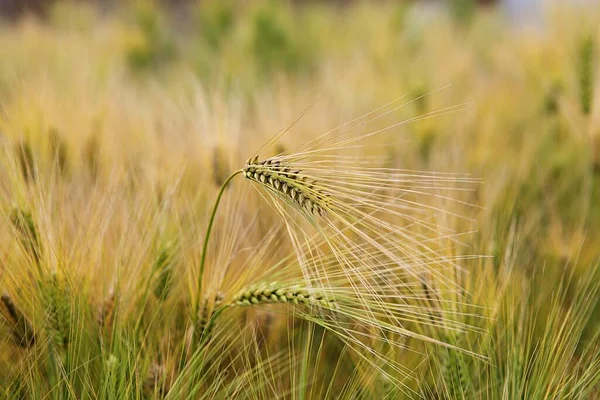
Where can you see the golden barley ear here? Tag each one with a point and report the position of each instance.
(28, 236)
(287, 183)
(21, 329)
(26, 161)
(156, 382)
(59, 151)
(106, 312)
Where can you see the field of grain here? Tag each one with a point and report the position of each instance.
(307, 201)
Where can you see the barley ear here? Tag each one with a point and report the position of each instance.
(163, 268)
(106, 312)
(26, 160)
(23, 222)
(58, 311)
(271, 293)
(156, 382)
(288, 183)
(59, 151)
(205, 320)
(21, 330)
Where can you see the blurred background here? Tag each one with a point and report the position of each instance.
(131, 96)
(192, 77)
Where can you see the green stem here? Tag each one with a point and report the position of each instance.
(207, 237)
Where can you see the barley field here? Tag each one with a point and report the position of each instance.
(304, 200)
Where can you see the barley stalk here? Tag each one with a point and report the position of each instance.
(288, 183)
(21, 329)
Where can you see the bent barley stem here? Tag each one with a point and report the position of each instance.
(207, 237)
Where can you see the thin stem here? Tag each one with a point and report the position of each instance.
(207, 237)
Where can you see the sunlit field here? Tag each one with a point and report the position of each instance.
(263, 200)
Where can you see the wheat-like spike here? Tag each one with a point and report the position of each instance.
(162, 266)
(23, 222)
(155, 381)
(277, 293)
(288, 183)
(205, 323)
(26, 161)
(106, 311)
(58, 312)
(59, 151)
(21, 329)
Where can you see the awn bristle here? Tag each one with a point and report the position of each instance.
(288, 182)
(278, 293)
(21, 329)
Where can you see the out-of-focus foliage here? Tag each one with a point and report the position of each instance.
(118, 125)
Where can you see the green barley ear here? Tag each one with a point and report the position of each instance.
(111, 374)
(58, 311)
(59, 151)
(23, 222)
(21, 329)
(206, 322)
(586, 73)
(288, 183)
(456, 372)
(274, 292)
(163, 267)
(26, 160)
(202, 329)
